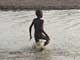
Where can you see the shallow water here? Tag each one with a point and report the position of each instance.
(63, 27)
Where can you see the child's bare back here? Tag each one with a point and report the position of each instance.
(38, 25)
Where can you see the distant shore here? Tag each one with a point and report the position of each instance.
(37, 7)
(39, 4)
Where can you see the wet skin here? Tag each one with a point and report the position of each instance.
(39, 31)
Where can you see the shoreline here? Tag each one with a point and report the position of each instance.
(39, 4)
(14, 8)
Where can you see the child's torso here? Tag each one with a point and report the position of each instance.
(38, 25)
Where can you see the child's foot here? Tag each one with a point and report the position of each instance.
(41, 49)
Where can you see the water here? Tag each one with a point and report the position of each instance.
(63, 27)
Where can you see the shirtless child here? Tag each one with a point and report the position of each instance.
(39, 30)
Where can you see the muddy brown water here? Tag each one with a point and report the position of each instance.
(63, 27)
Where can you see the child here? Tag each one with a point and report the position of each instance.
(38, 26)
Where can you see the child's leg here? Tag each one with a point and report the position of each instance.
(36, 40)
(46, 43)
(42, 37)
(47, 40)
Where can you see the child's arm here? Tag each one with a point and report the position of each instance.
(46, 34)
(44, 31)
(30, 29)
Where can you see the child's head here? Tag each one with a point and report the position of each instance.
(39, 13)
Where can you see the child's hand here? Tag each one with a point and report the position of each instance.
(48, 37)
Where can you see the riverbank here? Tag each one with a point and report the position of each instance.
(36, 4)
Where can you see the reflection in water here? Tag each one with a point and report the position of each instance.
(41, 56)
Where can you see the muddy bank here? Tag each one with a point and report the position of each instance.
(14, 8)
(36, 4)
